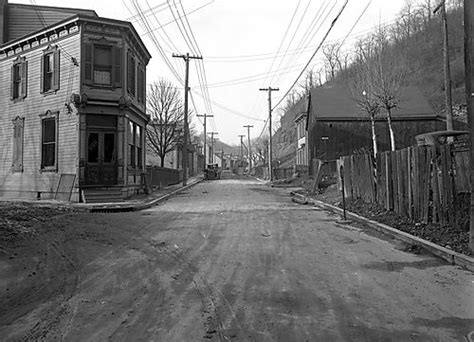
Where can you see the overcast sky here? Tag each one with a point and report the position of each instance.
(245, 45)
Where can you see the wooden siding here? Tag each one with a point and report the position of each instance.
(33, 180)
(347, 137)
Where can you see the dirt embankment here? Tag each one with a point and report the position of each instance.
(42, 252)
(455, 237)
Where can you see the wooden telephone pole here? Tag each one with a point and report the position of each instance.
(448, 98)
(205, 135)
(249, 151)
(186, 58)
(269, 90)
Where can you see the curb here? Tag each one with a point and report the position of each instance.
(454, 258)
(141, 206)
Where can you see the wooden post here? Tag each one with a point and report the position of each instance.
(468, 27)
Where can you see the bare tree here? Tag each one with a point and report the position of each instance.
(165, 129)
(332, 59)
(362, 86)
(260, 146)
(389, 71)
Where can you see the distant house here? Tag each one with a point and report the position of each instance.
(338, 127)
(301, 109)
(72, 95)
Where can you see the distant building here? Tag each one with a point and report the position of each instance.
(302, 161)
(338, 127)
(72, 95)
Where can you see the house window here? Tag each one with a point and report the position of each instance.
(131, 143)
(19, 75)
(48, 143)
(140, 83)
(50, 70)
(18, 126)
(135, 146)
(102, 64)
(131, 73)
(138, 143)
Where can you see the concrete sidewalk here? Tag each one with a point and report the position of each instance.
(140, 202)
(134, 203)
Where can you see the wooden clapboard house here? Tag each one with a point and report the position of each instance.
(72, 99)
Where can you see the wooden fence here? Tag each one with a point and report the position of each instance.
(424, 183)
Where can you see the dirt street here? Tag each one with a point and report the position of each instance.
(226, 260)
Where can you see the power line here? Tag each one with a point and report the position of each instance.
(293, 36)
(314, 54)
(309, 34)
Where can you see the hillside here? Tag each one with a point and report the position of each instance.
(417, 36)
(415, 45)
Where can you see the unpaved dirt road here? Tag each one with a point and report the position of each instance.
(227, 260)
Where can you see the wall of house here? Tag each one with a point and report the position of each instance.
(33, 181)
(347, 137)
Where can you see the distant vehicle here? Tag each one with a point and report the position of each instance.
(212, 172)
(459, 139)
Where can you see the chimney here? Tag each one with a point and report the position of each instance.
(3, 21)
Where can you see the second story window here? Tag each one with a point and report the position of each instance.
(140, 83)
(131, 73)
(102, 64)
(50, 70)
(19, 75)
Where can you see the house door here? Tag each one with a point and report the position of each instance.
(101, 167)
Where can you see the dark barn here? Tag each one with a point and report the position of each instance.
(338, 127)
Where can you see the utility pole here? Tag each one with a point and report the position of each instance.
(249, 151)
(241, 149)
(186, 58)
(205, 135)
(468, 26)
(222, 159)
(270, 89)
(447, 69)
(211, 153)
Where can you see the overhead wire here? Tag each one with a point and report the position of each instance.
(314, 54)
(293, 36)
(201, 67)
(194, 47)
(311, 31)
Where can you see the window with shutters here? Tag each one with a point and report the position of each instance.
(131, 74)
(49, 141)
(17, 161)
(50, 70)
(140, 83)
(19, 75)
(102, 65)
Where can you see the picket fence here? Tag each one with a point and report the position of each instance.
(425, 183)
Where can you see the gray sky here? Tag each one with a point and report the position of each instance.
(239, 41)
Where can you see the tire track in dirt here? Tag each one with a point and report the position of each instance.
(64, 270)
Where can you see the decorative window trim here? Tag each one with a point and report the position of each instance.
(131, 73)
(44, 116)
(88, 50)
(18, 141)
(50, 52)
(18, 94)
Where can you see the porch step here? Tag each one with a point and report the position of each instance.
(103, 196)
